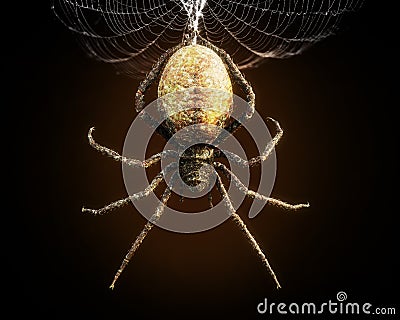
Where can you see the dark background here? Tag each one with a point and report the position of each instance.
(338, 152)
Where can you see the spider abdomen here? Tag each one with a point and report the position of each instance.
(198, 68)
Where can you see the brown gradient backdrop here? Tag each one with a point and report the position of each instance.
(337, 153)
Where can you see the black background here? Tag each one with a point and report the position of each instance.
(338, 152)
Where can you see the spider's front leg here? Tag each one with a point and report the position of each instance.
(239, 78)
(145, 85)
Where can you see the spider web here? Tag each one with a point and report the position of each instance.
(133, 34)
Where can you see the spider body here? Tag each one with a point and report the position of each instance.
(189, 76)
(200, 68)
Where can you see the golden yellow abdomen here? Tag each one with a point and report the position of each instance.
(196, 66)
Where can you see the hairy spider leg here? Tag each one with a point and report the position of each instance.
(210, 200)
(135, 163)
(258, 159)
(139, 195)
(149, 225)
(239, 78)
(244, 229)
(136, 196)
(252, 194)
(147, 82)
(131, 162)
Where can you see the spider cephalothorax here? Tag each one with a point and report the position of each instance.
(194, 166)
(191, 69)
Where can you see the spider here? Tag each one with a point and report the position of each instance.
(195, 64)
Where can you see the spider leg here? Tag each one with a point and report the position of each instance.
(119, 203)
(152, 76)
(252, 194)
(210, 199)
(131, 162)
(264, 155)
(162, 129)
(181, 196)
(239, 78)
(139, 195)
(244, 229)
(146, 83)
(149, 225)
(270, 146)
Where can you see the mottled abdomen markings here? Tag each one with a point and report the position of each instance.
(196, 66)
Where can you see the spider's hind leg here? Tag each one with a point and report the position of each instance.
(149, 225)
(244, 229)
